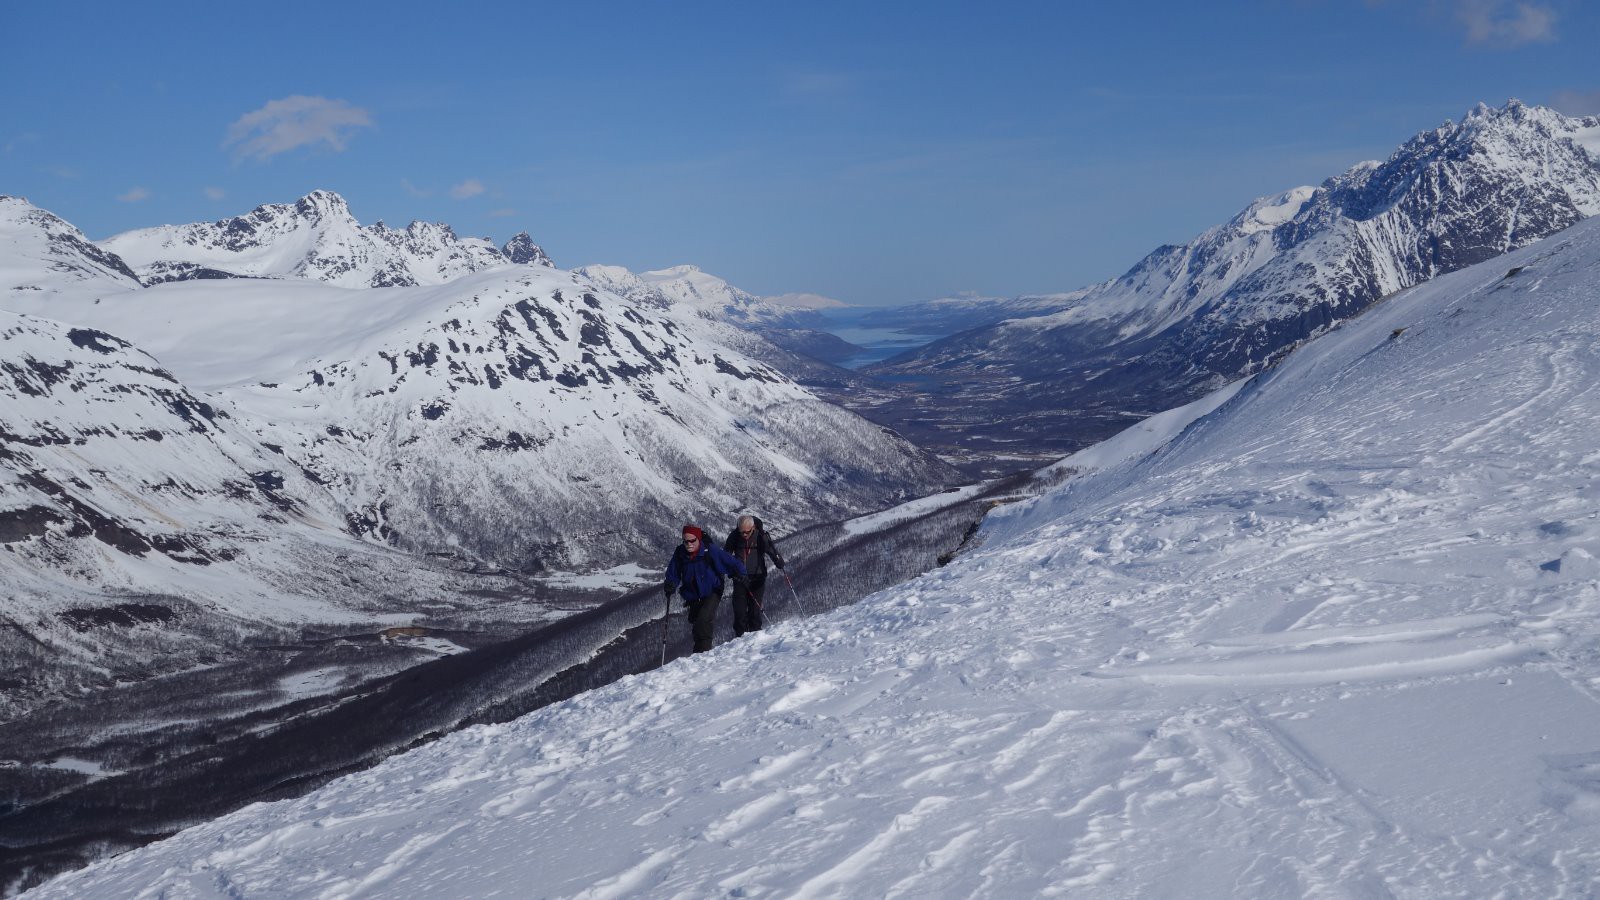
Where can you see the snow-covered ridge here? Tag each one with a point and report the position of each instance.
(1188, 318)
(522, 394)
(805, 301)
(40, 253)
(695, 290)
(315, 238)
(125, 494)
(1337, 637)
(280, 432)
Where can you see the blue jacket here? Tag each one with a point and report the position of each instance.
(702, 575)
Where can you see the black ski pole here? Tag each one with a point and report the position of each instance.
(665, 617)
(803, 611)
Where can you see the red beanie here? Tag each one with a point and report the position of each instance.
(694, 530)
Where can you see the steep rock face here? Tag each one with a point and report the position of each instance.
(1188, 318)
(315, 238)
(524, 252)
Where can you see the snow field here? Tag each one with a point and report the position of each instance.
(1339, 638)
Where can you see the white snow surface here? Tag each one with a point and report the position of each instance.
(43, 256)
(1338, 638)
(805, 301)
(314, 238)
(1515, 145)
(692, 289)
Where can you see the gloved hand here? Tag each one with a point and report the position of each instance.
(779, 564)
(667, 590)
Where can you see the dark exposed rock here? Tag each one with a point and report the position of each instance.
(27, 523)
(122, 615)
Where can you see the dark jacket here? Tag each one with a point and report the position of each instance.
(754, 552)
(701, 576)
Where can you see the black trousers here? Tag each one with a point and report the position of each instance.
(703, 620)
(747, 605)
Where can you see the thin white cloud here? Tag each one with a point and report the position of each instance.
(1501, 23)
(472, 187)
(1577, 103)
(413, 190)
(502, 213)
(134, 195)
(216, 193)
(27, 137)
(295, 121)
(61, 171)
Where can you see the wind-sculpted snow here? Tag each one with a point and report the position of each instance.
(315, 238)
(1189, 318)
(1340, 637)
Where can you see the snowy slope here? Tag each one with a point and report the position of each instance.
(196, 465)
(42, 255)
(1340, 637)
(783, 332)
(805, 301)
(1189, 318)
(516, 415)
(315, 238)
(145, 530)
(690, 288)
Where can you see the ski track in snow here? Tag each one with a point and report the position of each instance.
(1337, 640)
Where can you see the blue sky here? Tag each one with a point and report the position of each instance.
(875, 153)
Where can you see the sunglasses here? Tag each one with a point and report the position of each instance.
(691, 540)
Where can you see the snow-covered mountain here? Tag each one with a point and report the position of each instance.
(789, 323)
(517, 415)
(805, 301)
(234, 453)
(948, 315)
(1230, 302)
(1338, 637)
(701, 292)
(41, 254)
(145, 530)
(315, 238)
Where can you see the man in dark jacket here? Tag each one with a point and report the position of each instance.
(750, 545)
(697, 570)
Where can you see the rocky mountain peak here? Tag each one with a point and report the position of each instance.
(523, 251)
(320, 203)
(315, 238)
(1235, 299)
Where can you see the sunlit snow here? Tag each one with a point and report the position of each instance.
(1336, 638)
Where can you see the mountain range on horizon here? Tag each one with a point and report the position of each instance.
(1331, 631)
(513, 419)
(287, 431)
(1189, 318)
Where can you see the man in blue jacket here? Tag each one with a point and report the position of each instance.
(697, 570)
